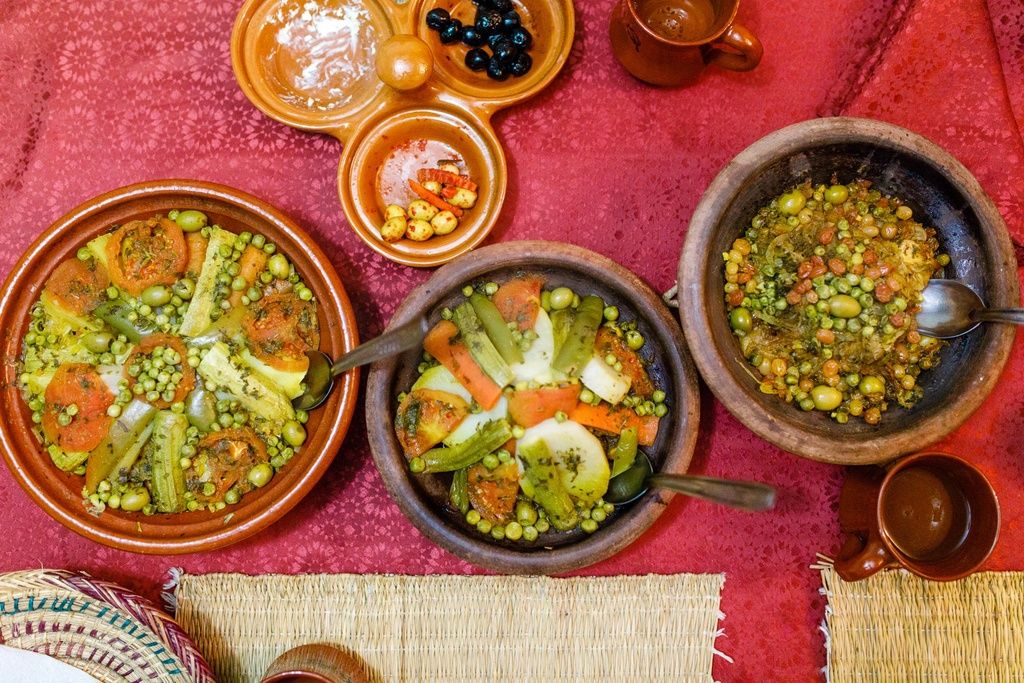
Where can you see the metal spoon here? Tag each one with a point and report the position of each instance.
(951, 308)
(319, 378)
(635, 482)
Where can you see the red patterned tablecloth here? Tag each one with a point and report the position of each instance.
(99, 94)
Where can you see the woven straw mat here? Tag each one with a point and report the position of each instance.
(98, 627)
(461, 628)
(896, 627)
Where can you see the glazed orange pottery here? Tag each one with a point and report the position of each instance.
(374, 76)
(670, 42)
(60, 493)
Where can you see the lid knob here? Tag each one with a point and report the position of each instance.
(404, 62)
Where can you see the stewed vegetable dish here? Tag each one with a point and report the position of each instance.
(822, 291)
(533, 397)
(160, 362)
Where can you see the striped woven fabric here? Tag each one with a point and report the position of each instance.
(98, 627)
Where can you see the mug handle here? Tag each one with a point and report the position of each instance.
(859, 558)
(748, 50)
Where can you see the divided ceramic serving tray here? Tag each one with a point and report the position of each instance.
(374, 76)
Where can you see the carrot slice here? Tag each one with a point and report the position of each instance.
(532, 406)
(518, 301)
(426, 194)
(445, 178)
(443, 344)
(196, 253)
(614, 419)
(607, 342)
(250, 265)
(448, 191)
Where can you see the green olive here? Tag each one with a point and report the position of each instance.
(278, 266)
(191, 220)
(837, 194)
(741, 320)
(260, 475)
(871, 385)
(825, 397)
(133, 501)
(561, 297)
(155, 295)
(844, 306)
(293, 433)
(792, 203)
(97, 342)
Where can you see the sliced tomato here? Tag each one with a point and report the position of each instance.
(607, 342)
(518, 301)
(77, 384)
(188, 376)
(280, 328)
(426, 417)
(532, 406)
(144, 253)
(224, 458)
(78, 286)
(493, 493)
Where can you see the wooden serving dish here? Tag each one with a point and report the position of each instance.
(60, 493)
(374, 76)
(942, 193)
(423, 498)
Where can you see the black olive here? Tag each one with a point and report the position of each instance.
(471, 36)
(521, 38)
(510, 20)
(477, 59)
(502, 5)
(496, 70)
(488, 21)
(505, 51)
(521, 65)
(495, 38)
(438, 18)
(452, 33)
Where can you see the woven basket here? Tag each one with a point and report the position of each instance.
(98, 627)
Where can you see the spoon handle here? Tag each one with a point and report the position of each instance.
(1001, 315)
(744, 495)
(402, 338)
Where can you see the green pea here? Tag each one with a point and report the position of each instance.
(741, 320)
(587, 396)
(473, 517)
(542, 525)
(184, 288)
(561, 298)
(634, 340)
(530, 533)
(491, 461)
(598, 515)
(484, 527)
(260, 475)
(84, 254)
(844, 306)
(525, 513)
(837, 194)
(791, 203)
(97, 342)
(825, 397)
(872, 385)
(498, 533)
(238, 284)
(806, 404)
(611, 313)
(232, 496)
(114, 410)
(588, 525)
(294, 433)
(191, 220)
(513, 531)
(867, 284)
(661, 410)
(306, 294)
(133, 501)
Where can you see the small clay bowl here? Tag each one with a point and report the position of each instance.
(424, 498)
(374, 76)
(942, 193)
(60, 493)
(316, 663)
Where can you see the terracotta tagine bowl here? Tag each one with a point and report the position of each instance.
(423, 498)
(60, 493)
(942, 193)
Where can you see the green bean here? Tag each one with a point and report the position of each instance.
(459, 493)
(487, 439)
(496, 328)
(120, 317)
(624, 453)
(579, 345)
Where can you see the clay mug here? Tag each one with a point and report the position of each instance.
(315, 664)
(669, 42)
(933, 514)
